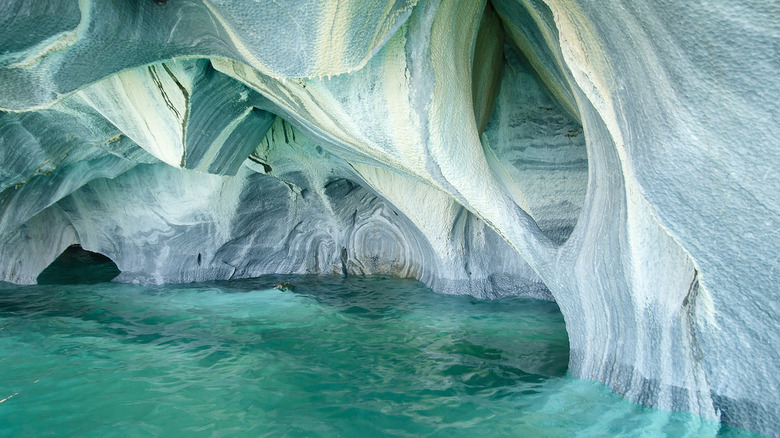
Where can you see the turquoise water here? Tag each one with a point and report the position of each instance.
(363, 357)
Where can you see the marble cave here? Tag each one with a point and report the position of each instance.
(620, 158)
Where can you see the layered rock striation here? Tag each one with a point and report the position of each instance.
(617, 157)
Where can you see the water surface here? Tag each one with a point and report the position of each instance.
(361, 357)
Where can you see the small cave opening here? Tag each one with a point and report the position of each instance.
(533, 139)
(78, 266)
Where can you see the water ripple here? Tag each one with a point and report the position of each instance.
(359, 357)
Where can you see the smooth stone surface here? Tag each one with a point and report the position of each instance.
(198, 140)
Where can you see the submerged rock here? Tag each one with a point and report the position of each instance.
(284, 287)
(617, 157)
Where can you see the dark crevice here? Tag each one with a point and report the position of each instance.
(344, 259)
(78, 266)
(186, 96)
(266, 167)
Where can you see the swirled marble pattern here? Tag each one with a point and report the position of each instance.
(618, 157)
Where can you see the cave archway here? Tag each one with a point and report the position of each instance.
(78, 266)
(531, 131)
(538, 149)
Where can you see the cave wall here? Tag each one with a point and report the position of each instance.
(687, 97)
(618, 157)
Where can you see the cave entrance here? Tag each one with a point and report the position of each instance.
(78, 266)
(533, 138)
(539, 150)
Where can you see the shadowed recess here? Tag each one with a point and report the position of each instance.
(78, 266)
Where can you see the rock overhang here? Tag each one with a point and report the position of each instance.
(632, 178)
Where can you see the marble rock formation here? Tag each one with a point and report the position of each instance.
(618, 157)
